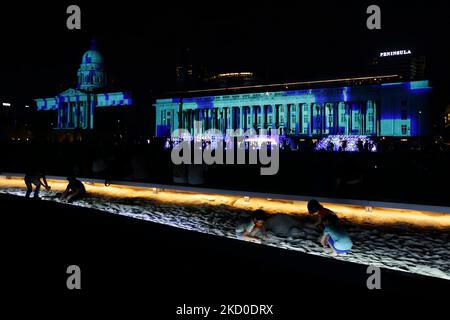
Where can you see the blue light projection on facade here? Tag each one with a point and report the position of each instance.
(383, 109)
(76, 106)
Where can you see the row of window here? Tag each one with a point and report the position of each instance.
(306, 118)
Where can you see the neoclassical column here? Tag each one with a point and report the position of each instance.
(244, 118)
(294, 118)
(235, 116)
(264, 116)
(335, 117)
(225, 119)
(216, 119)
(300, 118)
(67, 114)
(191, 121)
(241, 117)
(204, 119)
(60, 115)
(72, 114)
(350, 116)
(270, 113)
(76, 123)
(259, 117)
(317, 116)
(288, 118)
(229, 117)
(277, 116)
(323, 118)
(180, 116)
(90, 107)
(220, 112)
(363, 117)
(377, 116)
(281, 118)
(80, 113)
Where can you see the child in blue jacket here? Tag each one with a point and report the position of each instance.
(335, 236)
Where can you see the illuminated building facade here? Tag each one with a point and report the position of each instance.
(371, 106)
(76, 106)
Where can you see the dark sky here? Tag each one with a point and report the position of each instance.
(140, 40)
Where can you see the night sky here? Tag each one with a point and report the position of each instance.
(281, 40)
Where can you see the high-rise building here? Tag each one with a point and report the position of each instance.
(406, 63)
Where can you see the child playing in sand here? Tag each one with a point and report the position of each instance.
(252, 229)
(314, 207)
(335, 236)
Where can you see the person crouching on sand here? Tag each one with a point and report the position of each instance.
(75, 190)
(335, 236)
(253, 229)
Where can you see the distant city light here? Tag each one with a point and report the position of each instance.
(27, 106)
(6, 104)
(234, 74)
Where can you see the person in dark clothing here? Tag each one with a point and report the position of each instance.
(75, 190)
(36, 178)
(314, 207)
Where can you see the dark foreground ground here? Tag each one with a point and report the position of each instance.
(134, 265)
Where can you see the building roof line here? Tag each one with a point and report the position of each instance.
(286, 84)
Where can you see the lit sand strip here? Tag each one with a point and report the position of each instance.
(368, 213)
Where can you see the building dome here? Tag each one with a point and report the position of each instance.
(92, 56)
(91, 75)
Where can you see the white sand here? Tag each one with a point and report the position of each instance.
(404, 248)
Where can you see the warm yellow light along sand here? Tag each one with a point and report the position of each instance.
(354, 213)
